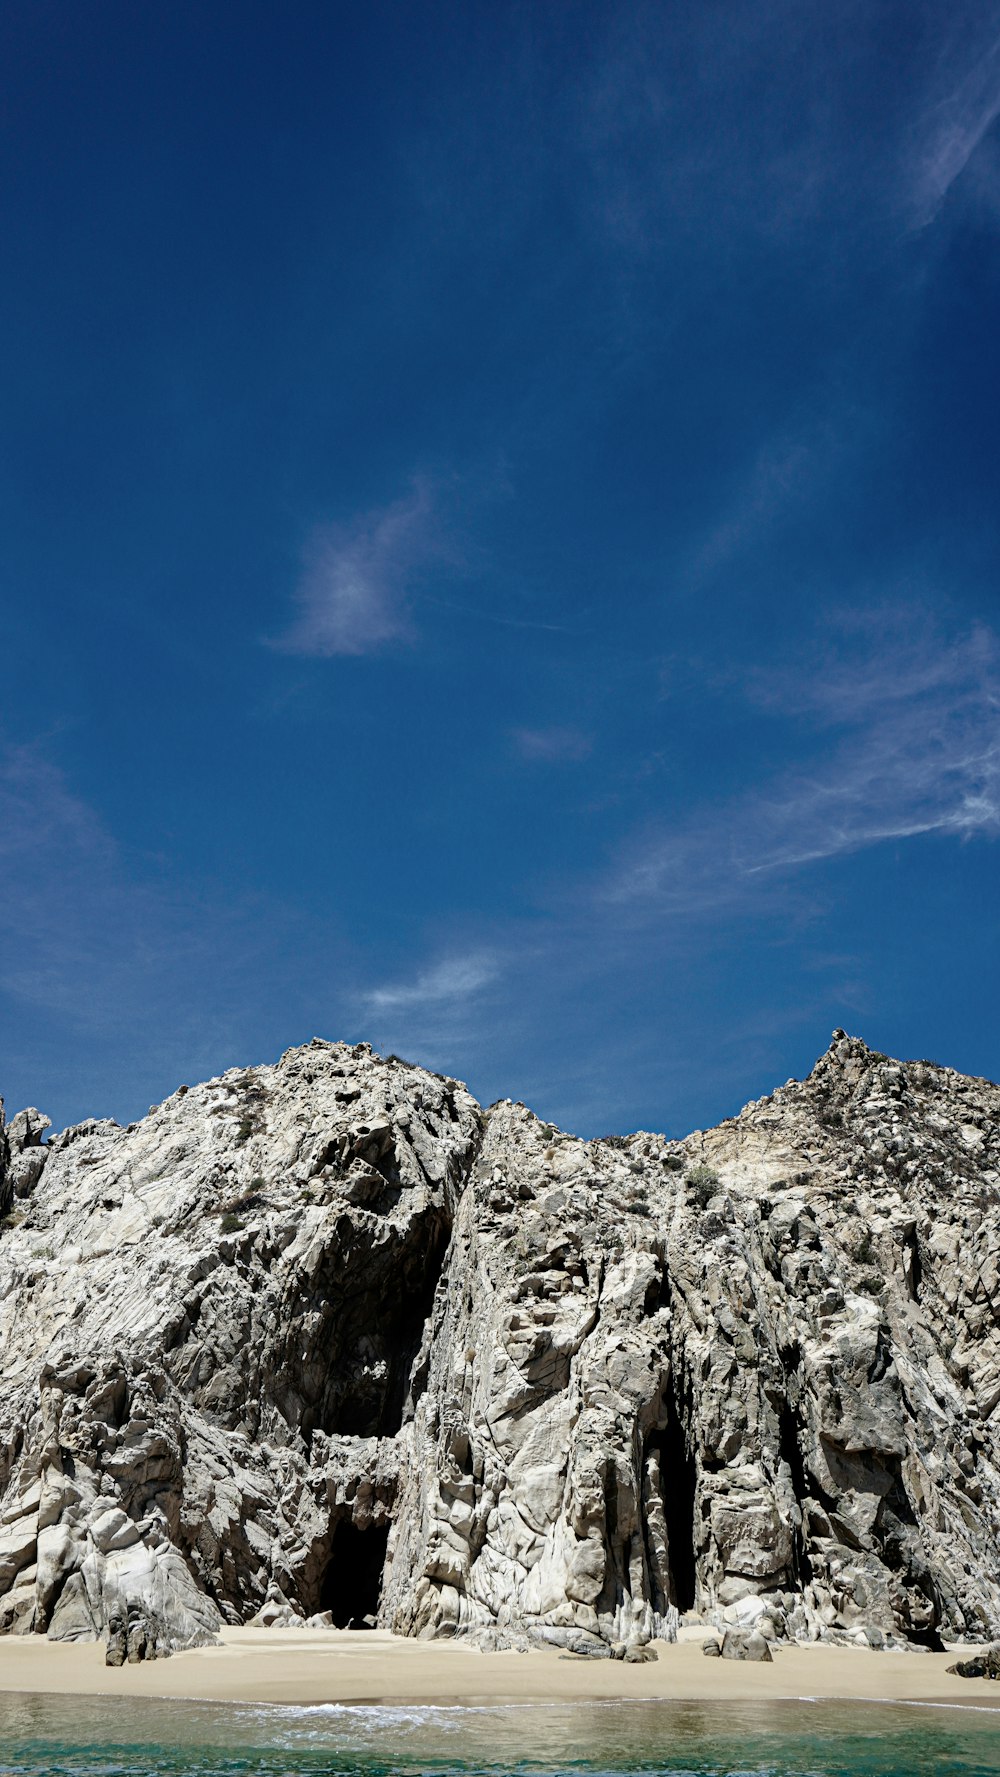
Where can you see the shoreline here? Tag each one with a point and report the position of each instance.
(308, 1669)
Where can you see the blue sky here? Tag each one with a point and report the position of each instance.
(500, 545)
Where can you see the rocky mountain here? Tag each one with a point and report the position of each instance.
(328, 1337)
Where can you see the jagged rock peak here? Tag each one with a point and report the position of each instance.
(325, 1336)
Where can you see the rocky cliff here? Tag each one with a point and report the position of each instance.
(328, 1337)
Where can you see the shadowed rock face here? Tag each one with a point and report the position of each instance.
(307, 1319)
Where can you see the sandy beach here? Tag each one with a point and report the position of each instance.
(322, 1666)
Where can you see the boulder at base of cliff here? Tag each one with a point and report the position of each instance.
(984, 1664)
(744, 1644)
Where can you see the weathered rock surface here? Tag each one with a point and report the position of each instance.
(327, 1337)
(985, 1663)
(744, 1644)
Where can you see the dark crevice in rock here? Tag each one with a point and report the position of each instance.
(611, 1502)
(48, 1602)
(914, 1270)
(898, 1535)
(402, 1332)
(790, 1448)
(413, 1314)
(375, 1301)
(679, 1480)
(882, 1362)
(351, 1586)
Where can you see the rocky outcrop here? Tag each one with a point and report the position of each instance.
(983, 1664)
(325, 1337)
(208, 1327)
(26, 1153)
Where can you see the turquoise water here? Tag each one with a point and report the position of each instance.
(112, 1737)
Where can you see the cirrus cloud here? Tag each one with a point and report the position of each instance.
(351, 598)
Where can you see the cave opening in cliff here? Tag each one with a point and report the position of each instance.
(372, 1378)
(679, 1485)
(352, 1581)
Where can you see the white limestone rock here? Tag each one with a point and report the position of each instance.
(325, 1338)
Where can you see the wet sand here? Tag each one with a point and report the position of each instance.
(340, 1666)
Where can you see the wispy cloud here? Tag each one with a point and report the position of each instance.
(503, 619)
(894, 727)
(552, 746)
(848, 174)
(352, 597)
(953, 129)
(880, 656)
(912, 747)
(786, 477)
(443, 1015)
(39, 813)
(452, 981)
(654, 173)
(123, 973)
(57, 862)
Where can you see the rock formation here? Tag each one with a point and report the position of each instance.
(328, 1337)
